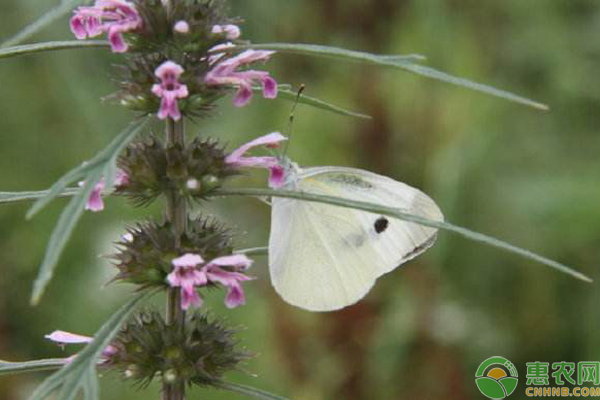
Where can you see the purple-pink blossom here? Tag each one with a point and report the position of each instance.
(273, 164)
(114, 17)
(226, 73)
(231, 32)
(190, 271)
(169, 89)
(63, 338)
(95, 203)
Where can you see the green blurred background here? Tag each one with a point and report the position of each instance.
(525, 176)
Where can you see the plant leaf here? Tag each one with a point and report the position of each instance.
(255, 251)
(399, 214)
(285, 93)
(79, 374)
(406, 63)
(48, 18)
(313, 102)
(248, 391)
(26, 49)
(101, 160)
(61, 234)
(17, 197)
(11, 368)
(92, 172)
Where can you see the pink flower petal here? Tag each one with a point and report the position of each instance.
(236, 260)
(225, 73)
(276, 176)
(235, 296)
(231, 32)
(270, 88)
(190, 299)
(114, 17)
(95, 203)
(63, 337)
(170, 89)
(243, 96)
(269, 140)
(188, 260)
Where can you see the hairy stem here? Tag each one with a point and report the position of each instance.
(176, 214)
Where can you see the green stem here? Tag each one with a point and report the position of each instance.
(176, 214)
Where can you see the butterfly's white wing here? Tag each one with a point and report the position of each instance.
(324, 257)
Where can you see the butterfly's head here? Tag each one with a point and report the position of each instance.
(291, 171)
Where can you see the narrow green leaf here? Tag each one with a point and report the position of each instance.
(11, 368)
(48, 18)
(91, 389)
(100, 160)
(75, 375)
(26, 49)
(61, 234)
(313, 102)
(406, 63)
(255, 251)
(399, 214)
(329, 52)
(17, 197)
(248, 391)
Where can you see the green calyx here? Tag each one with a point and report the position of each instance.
(193, 171)
(200, 352)
(147, 251)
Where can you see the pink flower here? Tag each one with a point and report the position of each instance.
(169, 89)
(114, 17)
(190, 271)
(272, 140)
(226, 73)
(63, 338)
(95, 203)
(231, 32)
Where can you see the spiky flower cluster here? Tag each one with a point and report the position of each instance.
(181, 58)
(200, 353)
(193, 171)
(148, 249)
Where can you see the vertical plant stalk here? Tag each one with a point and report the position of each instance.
(176, 214)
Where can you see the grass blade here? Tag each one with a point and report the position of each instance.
(248, 391)
(399, 214)
(26, 49)
(75, 375)
(407, 63)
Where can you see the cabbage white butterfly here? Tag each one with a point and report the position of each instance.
(324, 257)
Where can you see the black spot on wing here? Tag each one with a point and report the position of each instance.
(381, 225)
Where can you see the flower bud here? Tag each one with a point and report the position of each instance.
(153, 170)
(200, 353)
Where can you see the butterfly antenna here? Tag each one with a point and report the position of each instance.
(291, 121)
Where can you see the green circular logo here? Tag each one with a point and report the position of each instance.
(496, 378)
